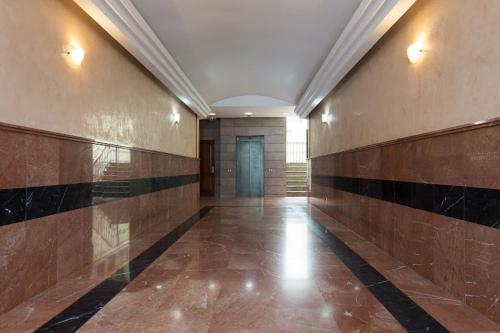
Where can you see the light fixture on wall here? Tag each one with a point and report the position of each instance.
(324, 118)
(415, 51)
(75, 53)
(176, 117)
(248, 114)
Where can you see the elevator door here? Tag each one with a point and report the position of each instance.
(250, 166)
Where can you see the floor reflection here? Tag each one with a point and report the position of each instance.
(108, 235)
(296, 251)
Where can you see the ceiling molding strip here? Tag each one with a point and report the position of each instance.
(371, 20)
(124, 22)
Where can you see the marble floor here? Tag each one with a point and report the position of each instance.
(250, 265)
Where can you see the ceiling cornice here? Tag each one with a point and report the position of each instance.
(124, 22)
(370, 22)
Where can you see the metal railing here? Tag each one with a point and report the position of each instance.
(103, 156)
(296, 152)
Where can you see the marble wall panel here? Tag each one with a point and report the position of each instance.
(62, 224)
(431, 202)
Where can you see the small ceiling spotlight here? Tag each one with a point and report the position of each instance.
(75, 53)
(415, 52)
(248, 114)
(212, 116)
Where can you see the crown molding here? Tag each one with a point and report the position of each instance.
(123, 22)
(371, 20)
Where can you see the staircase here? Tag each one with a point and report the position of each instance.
(114, 181)
(296, 180)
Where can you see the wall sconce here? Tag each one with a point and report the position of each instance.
(75, 53)
(324, 118)
(415, 52)
(176, 118)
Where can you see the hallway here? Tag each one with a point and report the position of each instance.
(249, 166)
(249, 265)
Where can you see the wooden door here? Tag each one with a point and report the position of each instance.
(207, 167)
(250, 166)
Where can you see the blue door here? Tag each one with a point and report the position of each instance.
(250, 166)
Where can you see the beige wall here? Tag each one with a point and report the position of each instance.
(108, 98)
(386, 97)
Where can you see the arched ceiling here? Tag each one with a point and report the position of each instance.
(259, 47)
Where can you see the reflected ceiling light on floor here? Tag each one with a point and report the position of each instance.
(176, 314)
(415, 51)
(249, 285)
(248, 114)
(75, 53)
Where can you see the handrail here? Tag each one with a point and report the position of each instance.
(296, 152)
(103, 160)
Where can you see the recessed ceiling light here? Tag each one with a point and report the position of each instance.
(212, 114)
(248, 114)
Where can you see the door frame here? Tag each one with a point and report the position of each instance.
(212, 157)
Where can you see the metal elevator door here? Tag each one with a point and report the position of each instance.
(250, 166)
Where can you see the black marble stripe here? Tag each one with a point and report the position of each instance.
(78, 313)
(21, 204)
(472, 204)
(409, 314)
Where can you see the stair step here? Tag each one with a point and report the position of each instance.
(113, 183)
(116, 171)
(120, 164)
(295, 173)
(297, 188)
(297, 179)
(111, 194)
(297, 193)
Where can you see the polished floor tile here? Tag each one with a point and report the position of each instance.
(245, 269)
(252, 265)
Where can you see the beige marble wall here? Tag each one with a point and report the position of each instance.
(110, 97)
(386, 97)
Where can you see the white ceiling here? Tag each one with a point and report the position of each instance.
(230, 55)
(257, 111)
(230, 48)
